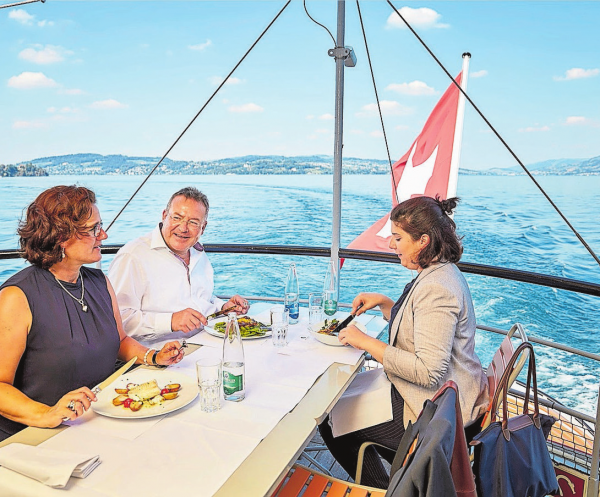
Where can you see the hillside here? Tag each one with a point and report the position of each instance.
(21, 170)
(251, 164)
(269, 164)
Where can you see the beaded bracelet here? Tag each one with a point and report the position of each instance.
(146, 357)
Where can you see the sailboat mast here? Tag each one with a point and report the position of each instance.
(339, 130)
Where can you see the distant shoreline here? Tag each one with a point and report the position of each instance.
(121, 165)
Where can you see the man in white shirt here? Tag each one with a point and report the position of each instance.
(164, 280)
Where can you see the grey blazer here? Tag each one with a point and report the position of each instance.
(433, 337)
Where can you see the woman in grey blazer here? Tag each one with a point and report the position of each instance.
(432, 334)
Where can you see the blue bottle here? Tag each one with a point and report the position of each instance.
(292, 294)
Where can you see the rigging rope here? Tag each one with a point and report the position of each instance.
(387, 148)
(316, 22)
(197, 114)
(580, 238)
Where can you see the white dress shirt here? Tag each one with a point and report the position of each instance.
(152, 283)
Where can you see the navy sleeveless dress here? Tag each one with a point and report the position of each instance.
(66, 347)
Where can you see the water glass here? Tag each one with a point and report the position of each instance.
(315, 307)
(280, 319)
(209, 381)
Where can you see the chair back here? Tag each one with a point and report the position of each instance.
(497, 368)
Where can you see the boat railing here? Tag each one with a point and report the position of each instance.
(572, 442)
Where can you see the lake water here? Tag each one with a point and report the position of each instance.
(505, 222)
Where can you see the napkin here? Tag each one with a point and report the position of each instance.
(50, 467)
(367, 402)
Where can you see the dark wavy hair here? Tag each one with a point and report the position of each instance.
(51, 219)
(430, 216)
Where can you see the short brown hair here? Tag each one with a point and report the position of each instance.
(430, 216)
(51, 219)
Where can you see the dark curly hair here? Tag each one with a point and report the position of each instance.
(430, 216)
(51, 219)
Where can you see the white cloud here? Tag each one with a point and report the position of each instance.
(479, 74)
(388, 108)
(310, 116)
(581, 121)
(110, 103)
(533, 129)
(322, 131)
(418, 18)
(412, 88)
(245, 108)
(72, 91)
(21, 16)
(31, 80)
(217, 80)
(201, 46)
(326, 117)
(29, 125)
(577, 73)
(49, 54)
(356, 132)
(401, 127)
(376, 134)
(25, 18)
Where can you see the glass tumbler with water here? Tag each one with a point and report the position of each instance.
(315, 307)
(279, 325)
(209, 382)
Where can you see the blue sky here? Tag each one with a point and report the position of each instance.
(119, 77)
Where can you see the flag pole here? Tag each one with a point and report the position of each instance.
(458, 130)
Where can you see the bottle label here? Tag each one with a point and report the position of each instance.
(232, 383)
(293, 309)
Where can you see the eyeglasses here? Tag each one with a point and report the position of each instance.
(191, 223)
(93, 231)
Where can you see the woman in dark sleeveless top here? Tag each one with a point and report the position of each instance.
(60, 328)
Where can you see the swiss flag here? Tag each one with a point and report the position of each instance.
(426, 169)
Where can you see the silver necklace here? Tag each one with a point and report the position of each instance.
(83, 305)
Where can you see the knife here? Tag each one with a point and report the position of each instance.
(220, 313)
(119, 372)
(345, 322)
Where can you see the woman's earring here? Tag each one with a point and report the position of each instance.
(62, 252)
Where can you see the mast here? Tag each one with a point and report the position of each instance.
(340, 55)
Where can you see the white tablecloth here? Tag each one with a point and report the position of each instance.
(189, 449)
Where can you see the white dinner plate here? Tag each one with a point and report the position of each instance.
(321, 337)
(187, 393)
(211, 331)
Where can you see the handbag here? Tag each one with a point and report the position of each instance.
(511, 456)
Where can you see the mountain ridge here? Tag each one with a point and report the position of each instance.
(90, 163)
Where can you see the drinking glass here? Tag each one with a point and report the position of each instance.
(209, 381)
(280, 319)
(315, 307)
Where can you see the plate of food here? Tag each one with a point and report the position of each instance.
(323, 332)
(145, 393)
(250, 329)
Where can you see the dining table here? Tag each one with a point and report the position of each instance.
(245, 448)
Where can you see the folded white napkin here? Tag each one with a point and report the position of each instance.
(367, 402)
(51, 467)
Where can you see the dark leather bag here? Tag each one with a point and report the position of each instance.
(511, 456)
